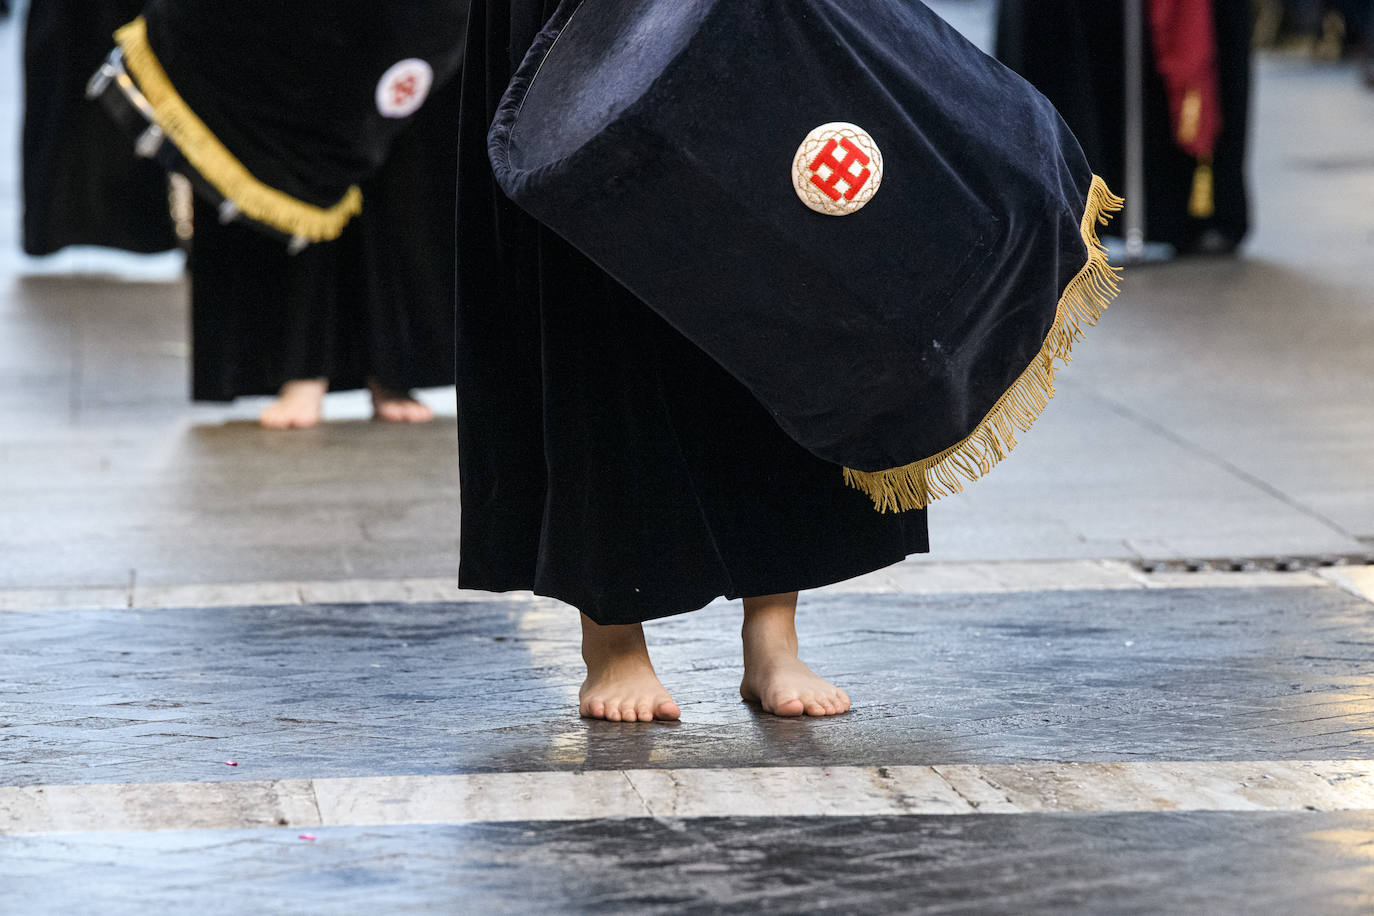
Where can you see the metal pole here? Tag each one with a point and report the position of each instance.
(1134, 55)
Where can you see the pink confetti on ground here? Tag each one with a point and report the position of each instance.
(231, 763)
(307, 836)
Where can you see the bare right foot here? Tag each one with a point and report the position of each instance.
(299, 404)
(621, 685)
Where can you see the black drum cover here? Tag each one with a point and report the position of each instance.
(278, 110)
(887, 236)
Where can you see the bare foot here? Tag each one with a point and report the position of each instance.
(298, 404)
(774, 677)
(621, 685)
(396, 406)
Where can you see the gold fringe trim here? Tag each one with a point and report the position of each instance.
(1201, 203)
(213, 160)
(1085, 298)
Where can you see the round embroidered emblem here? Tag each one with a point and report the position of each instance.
(403, 88)
(837, 169)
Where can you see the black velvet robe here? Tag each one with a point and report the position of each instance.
(1071, 50)
(375, 303)
(605, 460)
(83, 185)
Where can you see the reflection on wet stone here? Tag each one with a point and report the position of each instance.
(362, 689)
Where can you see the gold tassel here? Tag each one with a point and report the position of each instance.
(1201, 203)
(213, 160)
(1085, 298)
(1190, 117)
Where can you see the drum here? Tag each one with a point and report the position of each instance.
(886, 235)
(276, 111)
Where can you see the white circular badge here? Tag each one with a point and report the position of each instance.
(837, 169)
(403, 88)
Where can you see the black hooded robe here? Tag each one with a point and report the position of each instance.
(83, 185)
(1071, 50)
(375, 303)
(605, 460)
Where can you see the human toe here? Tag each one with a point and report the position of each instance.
(667, 709)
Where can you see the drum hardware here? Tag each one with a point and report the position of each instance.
(114, 88)
(149, 142)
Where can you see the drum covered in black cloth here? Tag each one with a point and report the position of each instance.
(904, 338)
(281, 109)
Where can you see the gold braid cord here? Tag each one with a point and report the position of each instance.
(916, 485)
(213, 160)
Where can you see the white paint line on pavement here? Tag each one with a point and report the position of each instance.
(908, 578)
(1074, 788)
(1358, 580)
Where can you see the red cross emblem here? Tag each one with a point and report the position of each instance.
(403, 89)
(841, 170)
(837, 169)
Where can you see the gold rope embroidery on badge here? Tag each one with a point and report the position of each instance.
(216, 163)
(1085, 298)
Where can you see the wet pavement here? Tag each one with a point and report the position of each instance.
(473, 687)
(1042, 724)
(1052, 864)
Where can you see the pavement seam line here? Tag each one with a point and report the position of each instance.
(1229, 467)
(315, 803)
(952, 578)
(972, 804)
(648, 808)
(748, 792)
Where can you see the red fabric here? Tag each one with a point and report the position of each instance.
(1185, 46)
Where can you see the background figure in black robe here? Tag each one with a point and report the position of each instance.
(83, 185)
(1072, 51)
(606, 461)
(373, 308)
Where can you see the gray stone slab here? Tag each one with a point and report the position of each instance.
(229, 503)
(1016, 864)
(352, 690)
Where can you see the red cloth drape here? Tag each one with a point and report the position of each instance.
(1186, 56)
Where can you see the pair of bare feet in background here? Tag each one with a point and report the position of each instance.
(300, 402)
(622, 686)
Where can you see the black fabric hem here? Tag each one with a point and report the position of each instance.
(621, 616)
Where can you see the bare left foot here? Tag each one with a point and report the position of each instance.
(774, 677)
(396, 406)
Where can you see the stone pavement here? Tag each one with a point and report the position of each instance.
(1051, 712)
(168, 695)
(1128, 748)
